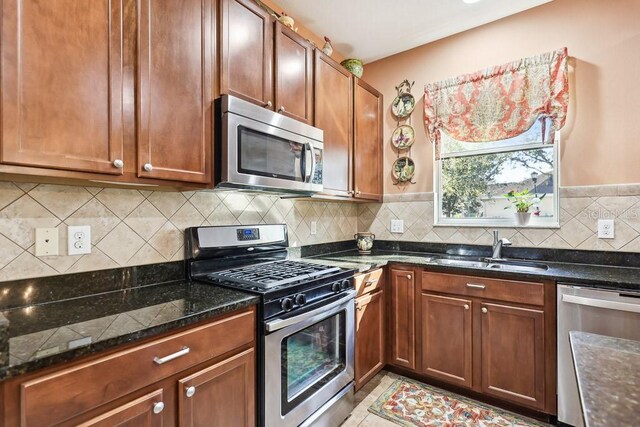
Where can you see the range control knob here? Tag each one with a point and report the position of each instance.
(346, 284)
(287, 304)
(335, 287)
(300, 299)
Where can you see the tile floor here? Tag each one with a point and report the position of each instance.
(365, 398)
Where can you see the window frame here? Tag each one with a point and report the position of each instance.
(439, 221)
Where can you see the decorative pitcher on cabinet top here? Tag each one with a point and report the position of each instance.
(364, 241)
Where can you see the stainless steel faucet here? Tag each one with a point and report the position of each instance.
(498, 244)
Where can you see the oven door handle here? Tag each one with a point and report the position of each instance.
(277, 324)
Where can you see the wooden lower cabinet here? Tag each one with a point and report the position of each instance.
(402, 329)
(447, 352)
(145, 411)
(221, 395)
(370, 336)
(513, 354)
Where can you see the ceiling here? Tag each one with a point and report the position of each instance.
(374, 29)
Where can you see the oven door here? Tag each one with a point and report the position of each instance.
(263, 156)
(308, 359)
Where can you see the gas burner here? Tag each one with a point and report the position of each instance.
(273, 274)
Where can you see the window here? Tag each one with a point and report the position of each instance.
(472, 179)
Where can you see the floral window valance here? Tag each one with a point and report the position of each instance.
(500, 102)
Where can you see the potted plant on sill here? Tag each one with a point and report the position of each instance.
(522, 201)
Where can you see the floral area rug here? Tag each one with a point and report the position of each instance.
(410, 403)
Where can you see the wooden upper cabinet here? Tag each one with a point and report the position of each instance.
(447, 339)
(513, 354)
(62, 84)
(367, 141)
(370, 336)
(221, 395)
(293, 74)
(175, 89)
(137, 413)
(403, 316)
(333, 113)
(246, 51)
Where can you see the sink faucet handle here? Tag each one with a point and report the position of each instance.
(496, 236)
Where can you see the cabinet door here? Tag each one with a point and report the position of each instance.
(403, 332)
(367, 145)
(446, 339)
(294, 74)
(62, 84)
(513, 354)
(370, 325)
(143, 412)
(221, 395)
(333, 113)
(246, 47)
(175, 92)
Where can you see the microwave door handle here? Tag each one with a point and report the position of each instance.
(303, 163)
(312, 151)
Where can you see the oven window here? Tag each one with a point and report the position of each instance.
(311, 358)
(267, 155)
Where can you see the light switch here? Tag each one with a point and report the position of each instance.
(606, 229)
(47, 242)
(397, 226)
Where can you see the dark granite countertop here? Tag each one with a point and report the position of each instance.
(608, 372)
(606, 276)
(39, 335)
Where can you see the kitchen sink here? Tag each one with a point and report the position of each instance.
(518, 266)
(461, 263)
(503, 265)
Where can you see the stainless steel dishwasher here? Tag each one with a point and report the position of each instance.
(614, 313)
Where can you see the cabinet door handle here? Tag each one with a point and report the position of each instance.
(475, 286)
(269, 104)
(118, 163)
(466, 306)
(158, 407)
(484, 310)
(169, 358)
(357, 192)
(281, 109)
(190, 391)
(147, 167)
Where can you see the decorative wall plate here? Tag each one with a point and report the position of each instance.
(403, 136)
(403, 169)
(403, 105)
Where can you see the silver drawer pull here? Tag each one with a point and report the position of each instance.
(158, 407)
(370, 282)
(169, 358)
(475, 286)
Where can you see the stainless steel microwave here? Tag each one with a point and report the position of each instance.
(258, 149)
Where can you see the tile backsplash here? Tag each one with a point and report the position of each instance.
(580, 209)
(134, 227)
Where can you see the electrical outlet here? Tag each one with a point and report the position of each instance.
(47, 242)
(606, 229)
(314, 227)
(397, 226)
(79, 239)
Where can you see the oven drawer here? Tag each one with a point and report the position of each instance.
(484, 287)
(369, 282)
(61, 395)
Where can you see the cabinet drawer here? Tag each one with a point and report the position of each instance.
(369, 282)
(61, 395)
(484, 287)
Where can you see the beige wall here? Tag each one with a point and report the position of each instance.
(601, 140)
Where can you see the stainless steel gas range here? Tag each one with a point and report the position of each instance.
(305, 321)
